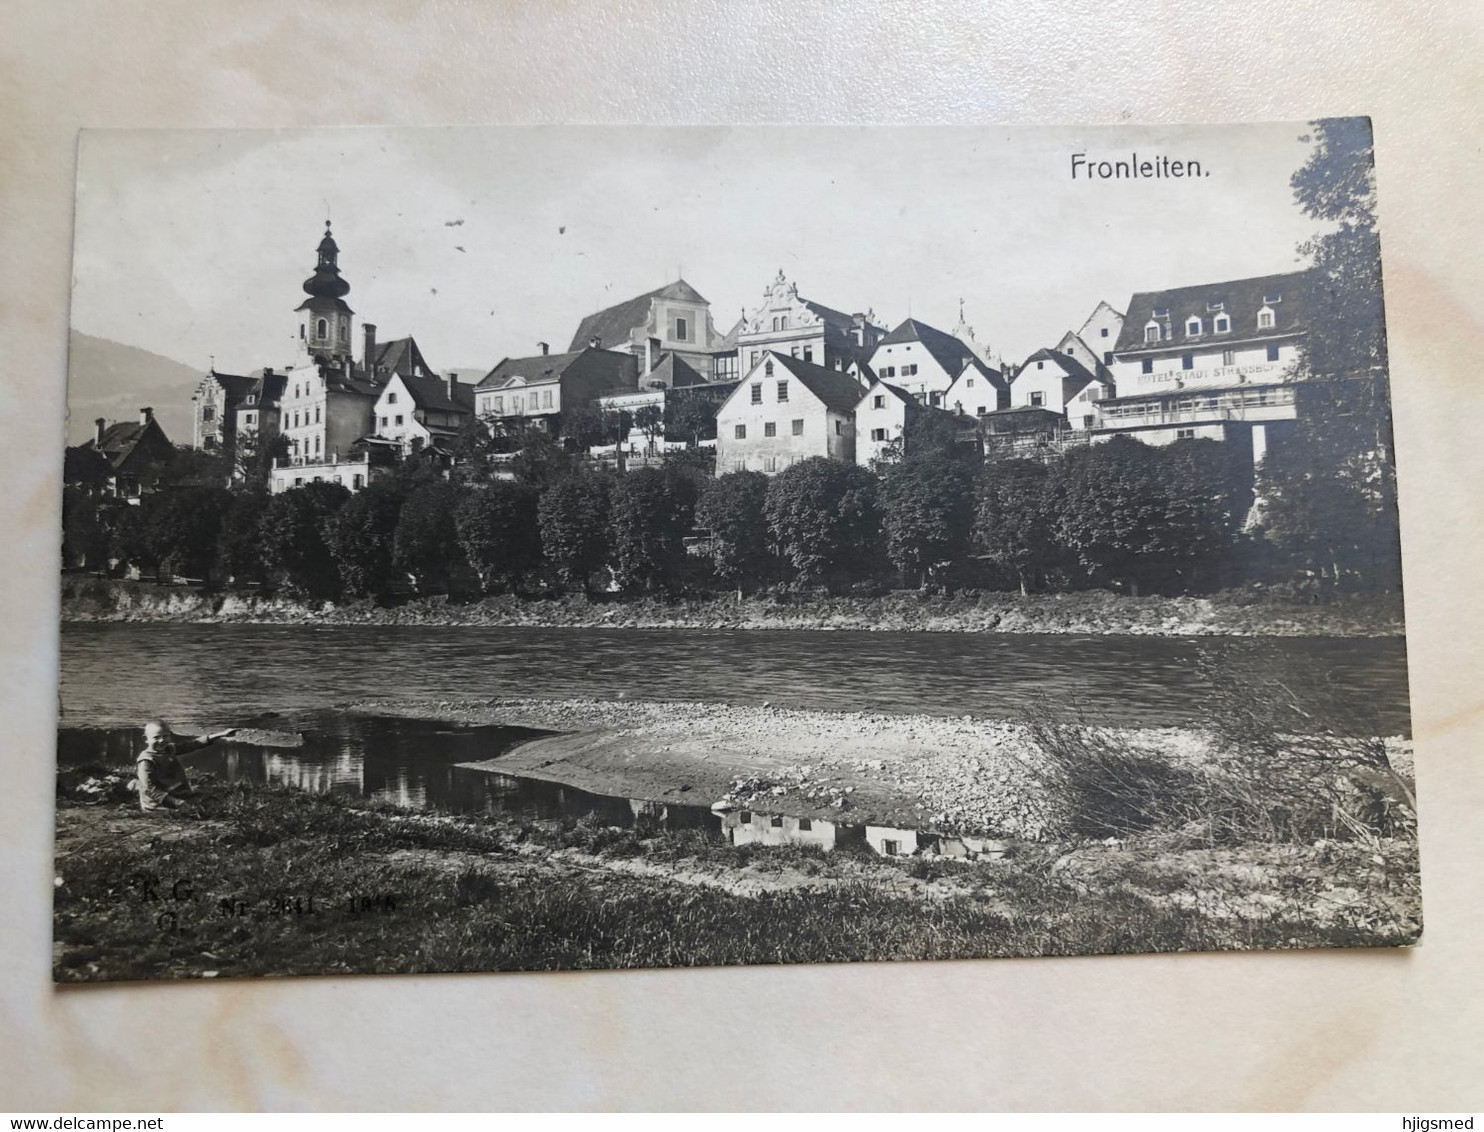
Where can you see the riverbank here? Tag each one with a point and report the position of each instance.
(957, 775)
(1235, 614)
(276, 881)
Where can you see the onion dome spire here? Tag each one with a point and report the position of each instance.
(326, 283)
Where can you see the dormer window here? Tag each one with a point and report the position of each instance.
(1275, 297)
(1161, 312)
(1151, 332)
(1192, 326)
(1216, 305)
(1223, 324)
(1266, 320)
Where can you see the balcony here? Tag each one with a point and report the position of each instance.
(1257, 404)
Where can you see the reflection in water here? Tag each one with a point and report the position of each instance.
(413, 763)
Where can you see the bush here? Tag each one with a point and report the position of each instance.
(822, 515)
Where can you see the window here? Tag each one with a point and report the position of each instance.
(1151, 333)
(1275, 297)
(1192, 326)
(935, 398)
(805, 825)
(1038, 398)
(497, 405)
(1103, 333)
(1040, 365)
(322, 328)
(839, 428)
(740, 432)
(1265, 319)
(1216, 305)
(391, 398)
(358, 481)
(793, 352)
(783, 391)
(889, 371)
(208, 442)
(1070, 350)
(207, 413)
(878, 434)
(546, 398)
(399, 418)
(1228, 357)
(316, 414)
(739, 465)
(1161, 312)
(1273, 352)
(385, 421)
(681, 330)
(798, 427)
(770, 463)
(251, 418)
(909, 371)
(745, 817)
(808, 353)
(1185, 434)
(1187, 361)
(316, 445)
(891, 848)
(775, 322)
(1147, 365)
(784, 322)
(878, 401)
(757, 390)
(517, 404)
(770, 429)
(752, 359)
(1223, 324)
(1087, 420)
(339, 480)
(776, 821)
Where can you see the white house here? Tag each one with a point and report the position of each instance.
(1060, 383)
(978, 390)
(747, 827)
(801, 328)
(1100, 332)
(882, 420)
(416, 412)
(921, 359)
(1212, 360)
(785, 410)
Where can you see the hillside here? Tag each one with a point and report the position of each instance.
(108, 379)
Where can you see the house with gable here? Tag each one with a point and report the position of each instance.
(214, 407)
(883, 418)
(978, 390)
(124, 459)
(796, 327)
(423, 412)
(921, 359)
(539, 388)
(674, 319)
(1213, 360)
(1100, 333)
(1058, 382)
(785, 410)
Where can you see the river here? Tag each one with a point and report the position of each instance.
(201, 675)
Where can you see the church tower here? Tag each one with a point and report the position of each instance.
(324, 317)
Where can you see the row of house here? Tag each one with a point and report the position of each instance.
(790, 379)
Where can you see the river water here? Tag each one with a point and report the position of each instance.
(119, 674)
(113, 677)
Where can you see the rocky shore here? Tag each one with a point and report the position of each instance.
(1245, 614)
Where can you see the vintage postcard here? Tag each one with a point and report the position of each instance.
(556, 548)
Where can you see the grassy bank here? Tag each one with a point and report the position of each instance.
(283, 882)
(86, 598)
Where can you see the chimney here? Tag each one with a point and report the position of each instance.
(146, 415)
(100, 426)
(596, 342)
(453, 384)
(368, 352)
(545, 347)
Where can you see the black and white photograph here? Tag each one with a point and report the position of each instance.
(571, 547)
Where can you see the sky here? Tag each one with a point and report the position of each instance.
(482, 242)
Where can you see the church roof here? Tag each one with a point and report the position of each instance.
(612, 325)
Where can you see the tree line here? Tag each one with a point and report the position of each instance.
(1120, 515)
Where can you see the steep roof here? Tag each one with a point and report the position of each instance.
(948, 351)
(121, 438)
(401, 356)
(266, 389)
(879, 386)
(540, 367)
(1239, 298)
(1075, 376)
(611, 326)
(432, 393)
(236, 385)
(837, 390)
(989, 373)
(672, 371)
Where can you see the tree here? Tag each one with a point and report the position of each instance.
(650, 513)
(585, 426)
(360, 538)
(499, 532)
(650, 420)
(690, 416)
(253, 458)
(732, 508)
(1346, 313)
(425, 543)
(927, 511)
(127, 545)
(293, 531)
(1013, 519)
(1208, 486)
(239, 545)
(1111, 509)
(182, 529)
(193, 467)
(573, 516)
(822, 515)
(84, 530)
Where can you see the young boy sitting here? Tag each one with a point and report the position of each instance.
(162, 781)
